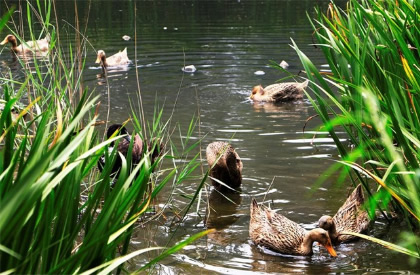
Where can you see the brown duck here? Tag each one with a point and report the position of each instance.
(350, 217)
(281, 92)
(123, 147)
(278, 233)
(225, 165)
(41, 45)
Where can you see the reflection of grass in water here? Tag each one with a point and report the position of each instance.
(58, 214)
(372, 51)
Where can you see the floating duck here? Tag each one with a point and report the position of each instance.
(282, 92)
(41, 45)
(189, 69)
(123, 146)
(225, 165)
(278, 233)
(350, 217)
(116, 60)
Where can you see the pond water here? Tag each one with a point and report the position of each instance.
(227, 42)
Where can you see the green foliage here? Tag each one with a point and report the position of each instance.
(373, 94)
(48, 156)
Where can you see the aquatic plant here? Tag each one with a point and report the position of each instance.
(372, 93)
(58, 214)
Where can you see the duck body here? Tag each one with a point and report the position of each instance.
(123, 147)
(225, 165)
(37, 46)
(278, 233)
(281, 92)
(117, 60)
(350, 217)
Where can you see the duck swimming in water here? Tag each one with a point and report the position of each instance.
(281, 92)
(225, 165)
(116, 60)
(278, 233)
(123, 146)
(41, 45)
(350, 217)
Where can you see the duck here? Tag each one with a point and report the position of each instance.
(281, 92)
(123, 147)
(41, 45)
(116, 60)
(277, 233)
(225, 165)
(350, 217)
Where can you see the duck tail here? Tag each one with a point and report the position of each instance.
(254, 203)
(304, 84)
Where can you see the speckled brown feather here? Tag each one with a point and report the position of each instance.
(350, 217)
(228, 168)
(278, 233)
(281, 92)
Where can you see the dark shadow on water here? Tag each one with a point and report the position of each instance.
(222, 208)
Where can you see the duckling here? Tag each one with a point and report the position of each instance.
(116, 60)
(228, 167)
(350, 217)
(123, 146)
(41, 45)
(282, 92)
(278, 233)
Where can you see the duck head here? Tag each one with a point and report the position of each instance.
(323, 238)
(101, 58)
(117, 127)
(326, 222)
(9, 39)
(257, 91)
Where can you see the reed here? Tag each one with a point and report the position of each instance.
(58, 213)
(372, 93)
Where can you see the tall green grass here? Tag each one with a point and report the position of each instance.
(58, 214)
(373, 94)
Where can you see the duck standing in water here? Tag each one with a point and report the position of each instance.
(225, 165)
(281, 92)
(117, 60)
(123, 146)
(278, 233)
(350, 217)
(37, 46)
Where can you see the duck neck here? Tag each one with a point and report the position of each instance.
(104, 64)
(14, 45)
(307, 243)
(332, 231)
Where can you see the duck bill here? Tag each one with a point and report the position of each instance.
(331, 250)
(4, 42)
(98, 60)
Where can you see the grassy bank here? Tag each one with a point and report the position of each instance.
(58, 213)
(373, 94)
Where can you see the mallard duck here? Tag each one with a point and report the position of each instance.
(123, 146)
(228, 167)
(116, 60)
(282, 92)
(41, 45)
(350, 217)
(278, 233)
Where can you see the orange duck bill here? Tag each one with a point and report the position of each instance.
(330, 249)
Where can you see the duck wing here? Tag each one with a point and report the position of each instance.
(286, 91)
(275, 231)
(351, 216)
(119, 58)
